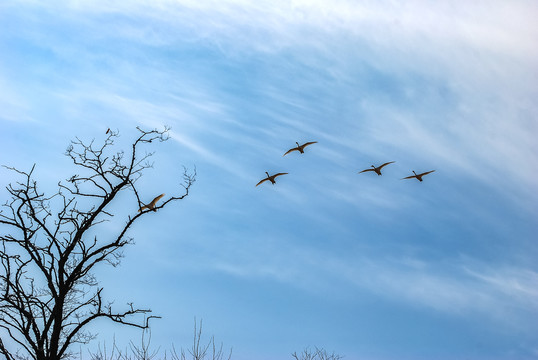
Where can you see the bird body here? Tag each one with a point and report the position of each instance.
(377, 170)
(299, 148)
(151, 205)
(418, 176)
(271, 178)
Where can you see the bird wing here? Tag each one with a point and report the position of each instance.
(290, 150)
(154, 201)
(390, 162)
(278, 174)
(426, 173)
(409, 177)
(151, 205)
(365, 170)
(309, 143)
(262, 181)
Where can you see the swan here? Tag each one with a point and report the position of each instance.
(300, 148)
(418, 176)
(376, 169)
(271, 178)
(151, 205)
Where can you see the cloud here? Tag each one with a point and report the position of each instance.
(14, 106)
(505, 294)
(461, 287)
(506, 29)
(431, 85)
(437, 84)
(482, 55)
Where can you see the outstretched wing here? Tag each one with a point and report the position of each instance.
(262, 181)
(154, 201)
(390, 162)
(151, 205)
(365, 170)
(309, 143)
(426, 173)
(278, 174)
(290, 150)
(409, 177)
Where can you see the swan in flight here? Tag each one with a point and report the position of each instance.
(418, 176)
(271, 178)
(377, 169)
(299, 148)
(151, 205)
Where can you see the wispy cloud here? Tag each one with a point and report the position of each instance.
(430, 85)
(460, 287)
(481, 54)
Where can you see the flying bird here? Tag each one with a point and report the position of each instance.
(151, 205)
(271, 178)
(300, 148)
(377, 169)
(418, 176)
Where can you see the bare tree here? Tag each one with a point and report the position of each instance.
(48, 293)
(143, 351)
(200, 351)
(318, 354)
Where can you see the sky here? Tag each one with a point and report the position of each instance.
(370, 267)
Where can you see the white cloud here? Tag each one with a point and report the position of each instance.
(14, 106)
(461, 287)
(483, 53)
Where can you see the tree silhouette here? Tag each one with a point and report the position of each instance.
(144, 351)
(49, 247)
(318, 354)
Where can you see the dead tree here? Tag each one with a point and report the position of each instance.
(144, 351)
(318, 354)
(49, 247)
(199, 351)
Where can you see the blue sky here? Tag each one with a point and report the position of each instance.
(370, 267)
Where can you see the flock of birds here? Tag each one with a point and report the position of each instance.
(376, 169)
(300, 149)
